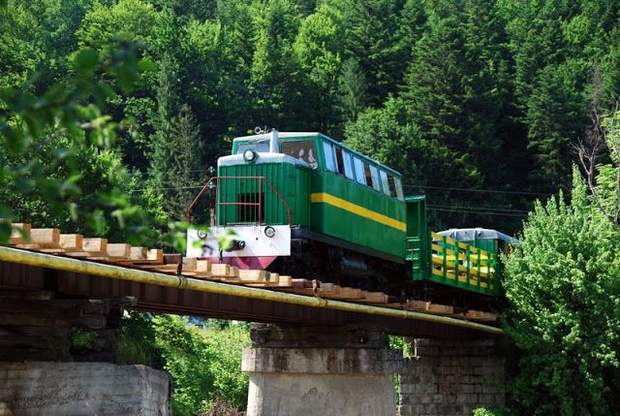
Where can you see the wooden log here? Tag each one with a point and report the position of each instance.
(137, 253)
(220, 269)
(42, 238)
(172, 258)
(374, 297)
(224, 270)
(95, 245)
(253, 276)
(155, 255)
(45, 237)
(480, 316)
(92, 248)
(301, 283)
(395, 305)
(119, 251)
(343, 293)
(434, 308)
(189, 264)
(351, 293)
(139, 256)
(203, 268)
(325, 292)
(437, 309)
(285, 281)
(71, 242)
(273, 278)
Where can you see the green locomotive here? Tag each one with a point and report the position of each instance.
(306, 205)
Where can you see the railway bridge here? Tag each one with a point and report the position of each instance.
(317, 349)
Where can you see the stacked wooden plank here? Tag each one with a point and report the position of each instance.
(51, 240)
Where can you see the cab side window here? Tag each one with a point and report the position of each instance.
(301, 149)
(385, 183)
(374, 176)
(360, 175)
(330, 158)
(396, 190)
(348, 165)
(340, 160)
(399, 189)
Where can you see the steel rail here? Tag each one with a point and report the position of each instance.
(43, 260)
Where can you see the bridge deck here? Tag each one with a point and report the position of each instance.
(21, 269)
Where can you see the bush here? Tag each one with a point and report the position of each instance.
(483, 411)
(204, 364)
(563, 287)
(135, 341)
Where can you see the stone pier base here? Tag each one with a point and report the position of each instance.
(452, 377)
(82, 389)
(319, 371)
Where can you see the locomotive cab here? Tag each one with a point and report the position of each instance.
(260, 193)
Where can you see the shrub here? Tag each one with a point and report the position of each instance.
(563, 286)
(204, 364)
(483, 411)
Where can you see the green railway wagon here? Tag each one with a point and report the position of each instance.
(305, 204)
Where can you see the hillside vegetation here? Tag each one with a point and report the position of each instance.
(478, 102)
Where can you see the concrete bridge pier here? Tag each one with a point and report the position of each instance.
(322, 371)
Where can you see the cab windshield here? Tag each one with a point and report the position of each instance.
(256, 145)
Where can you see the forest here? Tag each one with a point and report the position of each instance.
(479, 104)
(504, 113)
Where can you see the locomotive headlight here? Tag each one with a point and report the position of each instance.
(249, 155)
(201, 234)
(270, 231)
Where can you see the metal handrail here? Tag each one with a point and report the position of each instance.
(258, 204)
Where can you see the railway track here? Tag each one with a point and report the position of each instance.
(52, 241)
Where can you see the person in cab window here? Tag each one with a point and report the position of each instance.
(312, 160)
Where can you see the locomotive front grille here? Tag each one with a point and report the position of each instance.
(249, 199)
(250, 208)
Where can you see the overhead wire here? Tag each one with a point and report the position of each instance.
(493, 191)
(473, 212)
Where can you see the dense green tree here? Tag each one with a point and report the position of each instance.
(106, 28)
(351, 91)
(387, 135)
(110, 110)
(176, 166)
(318, 49)
(557, 46)
(22, 48)
(456, 86)
(372, 40)
(274, 84)
(564, 298)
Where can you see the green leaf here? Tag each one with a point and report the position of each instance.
(85, 61)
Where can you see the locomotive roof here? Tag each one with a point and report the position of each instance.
(285, 134)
